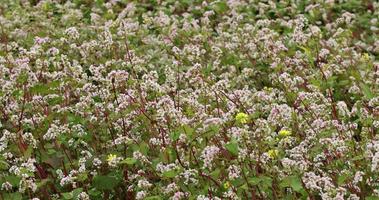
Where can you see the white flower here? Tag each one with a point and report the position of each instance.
(208, 155)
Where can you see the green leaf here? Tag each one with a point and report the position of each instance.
(94, 192)
(237, 182)
(12, 196)
(40, 89)
(74, 118)
(261, 180)
(254, 180)
(212, 130)
(82, 177)
(174, 135)
(22, 78)
(359, 157)
(129, 161)
(216, 173)
(28, 152)
(105, 182)
(366, 91)
(341, 179)
(97, 99)
(220, 7)
(14, 180)
(232, 147)
(296, 184)
(372, 198)
(67, 195)
(76, 192)
(265, 180)
(3, 165)
(292, 181)
(55, 100)
(309, 55)
(153, 198)
(144, 148)
(170, 174)
(188, 131)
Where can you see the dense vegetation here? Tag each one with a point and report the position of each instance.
(204, 100)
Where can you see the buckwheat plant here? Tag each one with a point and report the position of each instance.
(189, 99)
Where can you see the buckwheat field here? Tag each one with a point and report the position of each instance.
(189, 99)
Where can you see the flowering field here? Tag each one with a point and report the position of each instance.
(189, 99)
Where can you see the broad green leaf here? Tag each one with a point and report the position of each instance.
(3, 165)
(174, 135)
(254, 180)
(372, 198)
(309, 55)
(12, 196)
(94, 192)
(82, 177)
(265, 180)
(153, 198)
(188, 131)
(129, 161)
(220, 7)
(76, 192)
(212, 130)
(341, 179)
(295, 183)
(292, 181)
(170, 174)
(14, 180)
(359, 157)
(366, 91)
(105, 182)
(144, 148)
(28, 152)
(216, 173)
(67, 195)
(232, 147)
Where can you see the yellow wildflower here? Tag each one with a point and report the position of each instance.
(242, 118)
(365, 57)
(284, 133)
(272, 153)
(111, 157)
(226, 185)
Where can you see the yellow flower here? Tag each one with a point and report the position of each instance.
(284, 133)
(365, 57)
(242, 118)
(272, 153)
(226, 185)
(111, 157)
